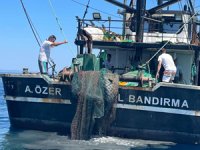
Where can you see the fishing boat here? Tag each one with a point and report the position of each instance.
(138, 106)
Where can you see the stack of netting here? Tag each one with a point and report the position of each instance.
(96, 92)
(137, 78)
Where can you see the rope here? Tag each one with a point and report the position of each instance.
(170, 39)
(35, 33)
(96, 9)
(86, 9)
(59, 25)
(57, 20)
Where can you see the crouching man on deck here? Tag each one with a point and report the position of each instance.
(170, 69)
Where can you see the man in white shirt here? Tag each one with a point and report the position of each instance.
(168, 63)
(44, 54)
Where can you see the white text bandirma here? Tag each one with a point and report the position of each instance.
(155, 101)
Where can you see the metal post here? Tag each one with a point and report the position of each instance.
(197, 67)
(124, 21)
(160, 2)
(140, 8)
(109, 20)
(80, 51)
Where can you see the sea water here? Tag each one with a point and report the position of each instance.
(15, 139)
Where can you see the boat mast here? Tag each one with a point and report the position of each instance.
(194, 26)
(124, 21)
(127, 8)
(137, 21)
(140, 13)
(160, 2)
(124, 13)
(194, 41)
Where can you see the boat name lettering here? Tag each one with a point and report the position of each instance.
(43, 90)
(156, 101)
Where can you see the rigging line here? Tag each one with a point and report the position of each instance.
(36, 35)
(96, 9)
(60, 27)
(35, 30)
(31, 24)
(57, 20)
(132, 3)
(86, 9)
(170, 39)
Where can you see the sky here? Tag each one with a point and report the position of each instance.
(19, 48)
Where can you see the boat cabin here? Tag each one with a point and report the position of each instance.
(130, 47)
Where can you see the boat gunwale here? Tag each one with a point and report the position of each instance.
(36, 76)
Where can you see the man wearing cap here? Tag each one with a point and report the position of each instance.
(44, 54)
(168, 63)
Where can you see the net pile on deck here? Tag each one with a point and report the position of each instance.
(137, 78)
(96, 92)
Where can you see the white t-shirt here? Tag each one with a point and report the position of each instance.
(167, 62)
(44, 54)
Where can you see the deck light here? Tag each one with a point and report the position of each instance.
(96, 16)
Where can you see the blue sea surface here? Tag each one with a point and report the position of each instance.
(15, 139)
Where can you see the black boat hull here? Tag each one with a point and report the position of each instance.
(169, 112)
(40, 116)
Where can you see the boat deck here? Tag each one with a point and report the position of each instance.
(56, 81)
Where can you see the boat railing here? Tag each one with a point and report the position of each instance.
(119, 31)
